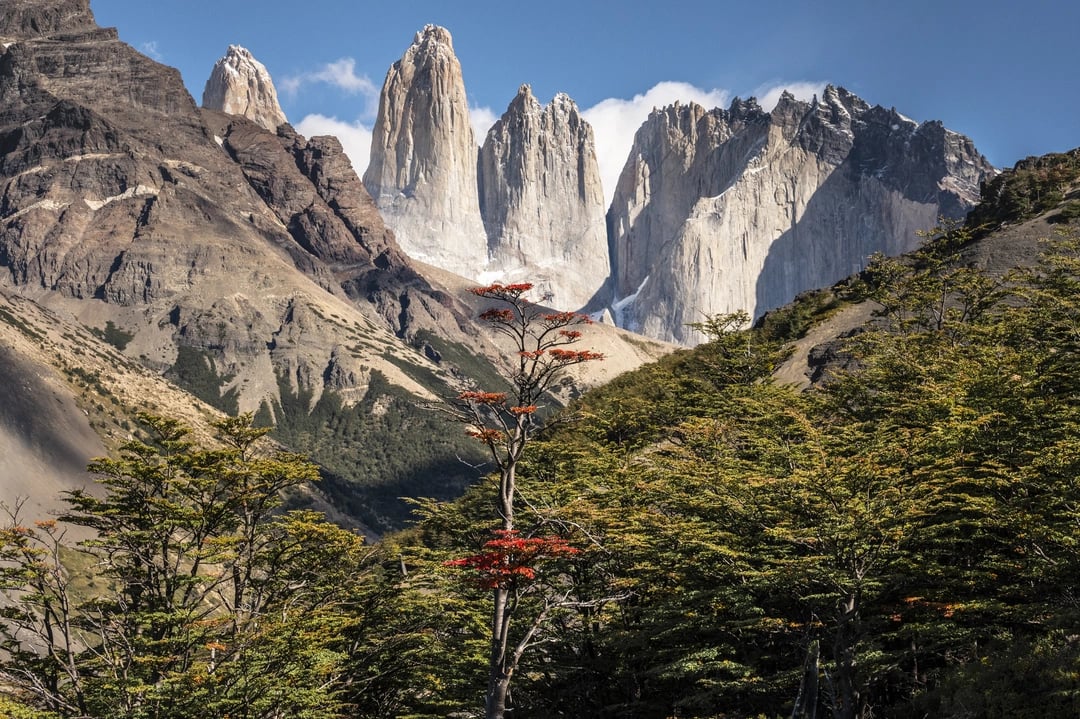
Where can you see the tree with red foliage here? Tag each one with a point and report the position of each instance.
(505, 422)
(510, 558)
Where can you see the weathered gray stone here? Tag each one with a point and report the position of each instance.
(241, 85)
(722, 210)
(541, 200)
(422, 172)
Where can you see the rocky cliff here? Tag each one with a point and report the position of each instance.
(422, 172)
(541, 200)
(528, 206)
(191, 229)
(240, 85)
(249, 267)
(715, 211)
(721, 210)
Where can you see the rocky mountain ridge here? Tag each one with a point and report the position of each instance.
(723, 210)
(526, 205)
(250, 267)
(715, 211)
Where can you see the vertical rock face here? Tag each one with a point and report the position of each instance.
(240, 85)
(722, 210)
(422, 173)
(541, 200)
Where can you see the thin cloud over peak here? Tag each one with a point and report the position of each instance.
(769, 94)
(342, 75)
(150, 48)
(615, 120)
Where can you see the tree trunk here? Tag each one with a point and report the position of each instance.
(498, 677)
(846, 701)
(807, 700)
(498, 687)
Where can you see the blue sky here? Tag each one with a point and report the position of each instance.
(1003, 72)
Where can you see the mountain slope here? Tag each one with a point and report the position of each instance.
(250, 267)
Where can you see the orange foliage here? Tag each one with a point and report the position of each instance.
(488, 398)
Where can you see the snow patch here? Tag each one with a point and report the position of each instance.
(131, 192)
(93, 156)
(42, 205)
(220, 141)
(618, 307)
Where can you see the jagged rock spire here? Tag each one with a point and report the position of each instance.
(241, 85)
(422, 172)
(541, 199)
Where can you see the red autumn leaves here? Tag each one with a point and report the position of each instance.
(503, 421)
(510, 558)
(541, 339)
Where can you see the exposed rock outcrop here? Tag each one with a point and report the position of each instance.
(722, 210)
(541, 200)
(422, 172)
(250, 267)
(121, 200)
(241, 85)
(24, 19)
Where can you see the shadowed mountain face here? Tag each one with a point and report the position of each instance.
(249, 265)
(45, 439)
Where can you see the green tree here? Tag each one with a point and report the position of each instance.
(214, 600)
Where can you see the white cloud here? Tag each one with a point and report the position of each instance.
(150, 48)
(342, 75)
(616, 120)
(481, 119)
(769, 94)
(355, 137)
(289, 85)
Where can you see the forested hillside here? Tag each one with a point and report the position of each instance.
(900, 540)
